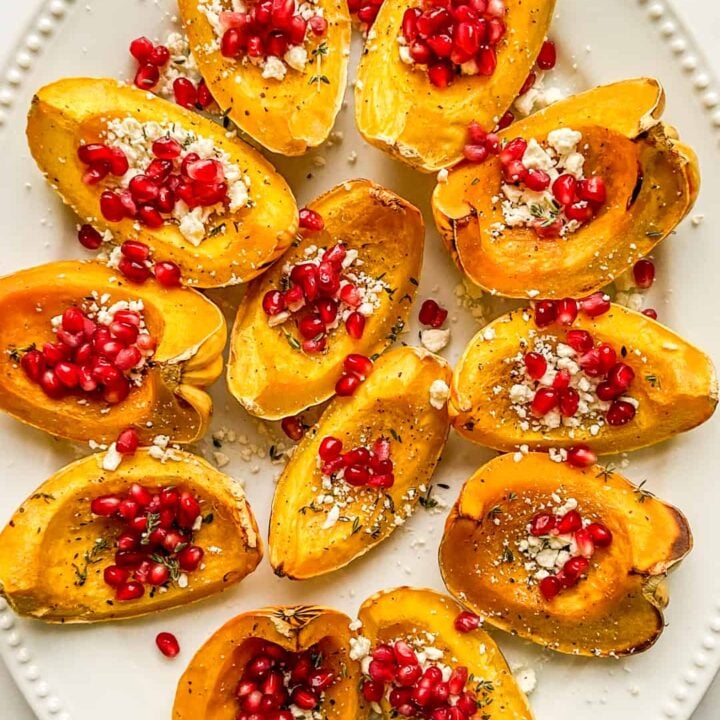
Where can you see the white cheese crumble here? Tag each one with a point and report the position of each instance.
(112, 459)
(439, 394)
(435, 339)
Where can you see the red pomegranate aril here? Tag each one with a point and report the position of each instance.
(607, 357)
(568, 402)
(381, 671)
(356, 475)
(620, 376)
(580, 211)
(545, 313)
(592, 189)
(293, 427)
(128, 358)
(545, 400)
(167, 644)
(404, 654)
(487, 58)
(158, 574)
(310, 327)
(373, 690)
(189, 558)
(315, 345)
(547, 57)
(328, 279)
(550, 587)
(318, 25)
(567, 310)
(596, 304)
(440, 74)
(579, 340)
(564, 189)
(651, 313)
(305, 699)
(135, 250)
(420, 52)
(600, 534)
(130, 591)
(111, 207)
(548, 230)
(159, 56)
(150, 217)
(350, 295)
(327, 310)
(537, 180)
(606, 391)
(355, 325)
(273, 302)
(140, 48)
(33, 363)
(232, 42)
(466, 622)
(620, 413)
(185, 93)
(527, 85)
(53, 353)
(158, 171)
(570, 522)
(457, 680)
(432, 315)
(562, 379)
(535, 365)
(581, 456)
(335, 255)
(311, 220)
(574, 568)
(167, 273)
(147, 77)
(128, 541)
(514, 150)
(358, 365)
(475, 153)
(67, 374)
(105, 505)
(330, 448)
(189, 509)
(95, 174)
(514, 172)
(542, 524)
(644, 274)
(115, 576)
(89, 237)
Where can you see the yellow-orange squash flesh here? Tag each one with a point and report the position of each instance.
(286, 116)
(616, 609)
(191, 334)
(400, 111)
(207, 687)
(394, 402)
(267, 372)
(44, 568)
(675, 384)
(623, 141)
(411, 613)
(239, 246)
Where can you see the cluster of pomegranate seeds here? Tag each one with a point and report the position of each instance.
(416, 691)
(151, 60)
(432, 315)
(546, 60)
(365, 11)
(269, 28)
(577, 200)
(466, 622)
(449, 36)
(155, 543)
(587, 537)
(135, 265)
(293, 427)
(90, 359)
(565, 311)
(359, 467)
(275, 679)
(151, 196)
(167, 644)
(356, 369)
(480, 144)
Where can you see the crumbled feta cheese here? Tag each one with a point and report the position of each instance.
(439, 394)
(112, 459)
(435, 339)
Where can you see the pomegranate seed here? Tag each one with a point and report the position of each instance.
(115, 576)
(89, 237)
(513, 150)
(231, 44)
(607, 357)
(466, 622)
(311, 327)
(542, 524)
(535, 365)
(548, 56)
(568, 402)
(327, 309)
(140, 48)
(527, 85)
(592, 189)
(596, 304)
(432, 315)
(580, 211)
(570, 522)
(311, 220)
(562, 379)
(167, 148)
(567, 310)
(105, 505)
(621, 376)
(600, 534)
(147, 77)
(185, 93)
(273, 302)
(167, 644)
(506, 120)
(33, 363)
(358, 365)
(574, 568)
(381, 672)
(347, 385)
(620, 413)
(545, 313)
(159, 56)
(373, 691)
(127, 442)
(129, 591)
(514, 172)
(649, 312)
(644, 274)
(544, 401)
(579, 340)
(550, 587)
(189, 558)
(355, 325)
(564, 189)
(293, 427)
(95, 174)
(475, 153)
(584, 543)
(440, 74)
(544, 229)
(167, 273)
(111, 207)
(537, 180)
(581, 456)
(330, 448)
(316, 345)
(605, 391)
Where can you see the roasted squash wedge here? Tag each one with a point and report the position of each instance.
(55, 549)
(652, 181)
(207, 688)
(240, 245)
(410, 613)
(393, 403)
(287, 116)
(616, 609)
(398, 110)
(191, 334)
(674, 386)
(267, 365)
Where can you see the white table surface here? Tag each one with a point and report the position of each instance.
(703, 18)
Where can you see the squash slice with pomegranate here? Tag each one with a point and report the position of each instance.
(166, 397)
(614, 606)
(255, 215)
(74, 551)
(310, 644)
(288, 115)
(412, 615)
(616, 382)
(400, 111)
(270, 358)
(651, 181)
(388, 438)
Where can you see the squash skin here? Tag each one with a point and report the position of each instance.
(400, 612)
(206, 688)
(289, 116)
(264, 371)
(620, 123)
(69, 112)
(398, 110)
(617, 609)
(395, 396)
(683, 396)
(191, 334)
(36, 568)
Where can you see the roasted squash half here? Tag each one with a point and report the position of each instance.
(616, 609)
(409, 613)
(398, 110)
(675, 383)
(266, 365)
(393, 403)
(652, 181)
(207, 687)
(191, 334)
(51, 567)
(287, 116)
(239, 246)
